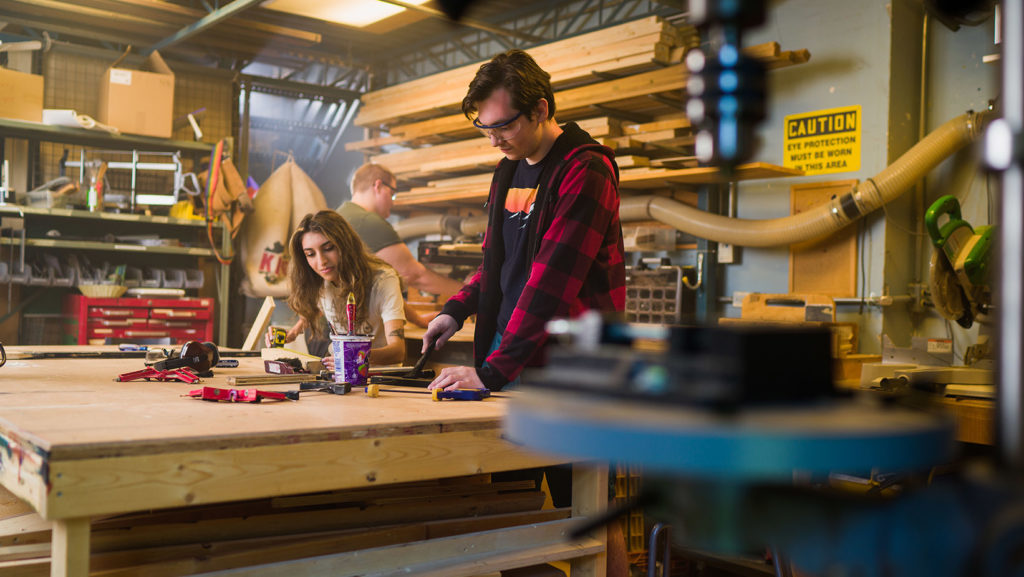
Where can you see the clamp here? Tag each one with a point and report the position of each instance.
(326, 387)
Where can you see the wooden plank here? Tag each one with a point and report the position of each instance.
(639, 178)
(259, 325)
(663, 124)
(406, 119)
(17, 554)
(630, 161)
(352, 516)
(576, 56)
(573, 100)
(24, 529)
(228, 552)
(216, 555)
(255, 380)
(100, 486)
(10, 504)
(658, 177)
(373, 143)
(459, 556)
(828, 266)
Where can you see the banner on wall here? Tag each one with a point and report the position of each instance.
(823, 141)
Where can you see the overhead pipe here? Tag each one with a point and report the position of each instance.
(418, 226)
(821, 221)
(814, 224)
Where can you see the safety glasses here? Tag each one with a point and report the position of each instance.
(501, 131)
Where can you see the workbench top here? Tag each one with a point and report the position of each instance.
(76, 445)
(73, 406)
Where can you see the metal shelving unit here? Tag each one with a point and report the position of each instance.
(82, 137)
(105, 220)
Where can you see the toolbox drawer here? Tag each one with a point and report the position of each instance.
(117, 312)
(168, 313)
(94, 320)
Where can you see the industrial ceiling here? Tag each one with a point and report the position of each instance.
(234, 34)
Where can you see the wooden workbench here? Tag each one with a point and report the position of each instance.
(74, 445)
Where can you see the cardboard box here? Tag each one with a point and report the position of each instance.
(21, 95)
(138, 101)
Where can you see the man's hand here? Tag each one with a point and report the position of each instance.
(455, 378)
(441, 328)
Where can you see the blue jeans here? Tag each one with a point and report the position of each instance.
(559, 476)
(514, 384)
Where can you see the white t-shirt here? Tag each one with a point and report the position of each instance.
(386, 304)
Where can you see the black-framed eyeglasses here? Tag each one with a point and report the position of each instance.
(501, 130)
(394, 191)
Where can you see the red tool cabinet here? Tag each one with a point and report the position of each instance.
(93, 320)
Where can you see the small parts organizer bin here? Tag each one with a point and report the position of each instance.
(94, 320)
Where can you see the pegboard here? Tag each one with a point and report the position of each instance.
(73, 81)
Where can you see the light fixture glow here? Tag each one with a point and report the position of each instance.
(355, 13)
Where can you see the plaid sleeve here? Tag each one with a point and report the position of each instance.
(465, 302)
(587, 207)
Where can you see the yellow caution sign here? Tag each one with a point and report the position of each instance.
(823, 141)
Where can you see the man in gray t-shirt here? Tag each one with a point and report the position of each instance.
(373, 189)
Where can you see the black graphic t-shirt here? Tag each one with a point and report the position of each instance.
(518, 207)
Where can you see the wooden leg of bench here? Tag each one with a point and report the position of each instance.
(69, 556)
(590, 498)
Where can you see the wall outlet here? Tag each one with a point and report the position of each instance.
(728, 253)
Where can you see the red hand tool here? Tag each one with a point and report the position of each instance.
(241, 395)
(152, 374)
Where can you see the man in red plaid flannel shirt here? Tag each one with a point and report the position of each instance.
(553, 246)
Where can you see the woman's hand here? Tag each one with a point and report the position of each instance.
(295, 331)
(292, 334)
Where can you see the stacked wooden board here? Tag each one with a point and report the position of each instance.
(230, 536)
(624, 85)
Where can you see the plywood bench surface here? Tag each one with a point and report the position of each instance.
(74, 407)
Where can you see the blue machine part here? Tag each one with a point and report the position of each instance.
(756, 444)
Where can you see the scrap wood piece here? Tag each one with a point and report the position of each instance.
(247, 380)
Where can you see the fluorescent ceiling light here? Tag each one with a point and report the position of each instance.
(355, 13)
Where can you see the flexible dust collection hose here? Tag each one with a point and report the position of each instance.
(418, 226)
(822, 220)
(813, 224)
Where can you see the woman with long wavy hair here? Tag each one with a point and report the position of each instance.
(329, 261)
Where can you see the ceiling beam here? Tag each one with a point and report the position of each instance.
(215, 17)
(299, 89)
(468, 22)
(178, 16)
